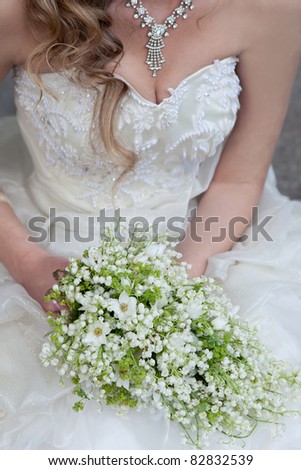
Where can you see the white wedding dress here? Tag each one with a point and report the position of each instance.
(179, 143)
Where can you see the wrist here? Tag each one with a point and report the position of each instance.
(17, 253)
(26, 258)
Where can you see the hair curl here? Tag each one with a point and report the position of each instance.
(79, 39)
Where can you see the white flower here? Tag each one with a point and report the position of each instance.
(195, 310)
(125, 306)
(97, 333)
(125, 282)
(179, 340)
(141, 258)
(155, 249)
(219, 323)
(161, 302)
(121, 382)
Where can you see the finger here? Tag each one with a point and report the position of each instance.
(56, 305)
(52, 306)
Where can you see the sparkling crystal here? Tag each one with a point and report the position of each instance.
(171, 19)
(157, 31)
(148, 20)
(141, 11)
(180, 10)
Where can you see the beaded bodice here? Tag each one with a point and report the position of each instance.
(178, 142)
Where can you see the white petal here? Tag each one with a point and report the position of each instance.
(123, 298)
(114, 305)
(132, 304)
(219, 323)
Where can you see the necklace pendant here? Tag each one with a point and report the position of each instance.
(155, 58)
(157, 31)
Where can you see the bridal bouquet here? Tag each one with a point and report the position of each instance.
(136, 332)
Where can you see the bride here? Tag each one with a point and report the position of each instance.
(159, 109)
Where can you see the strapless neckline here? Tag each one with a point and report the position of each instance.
(133, 89)
(173, 89)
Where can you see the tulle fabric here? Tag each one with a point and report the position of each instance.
(263, 277)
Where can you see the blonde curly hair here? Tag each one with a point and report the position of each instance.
(78, 38)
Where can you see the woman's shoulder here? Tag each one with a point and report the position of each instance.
(271, 6)
(281, 20)
(12, 15)
(15, 34)
(286, 7)
(270, 22)
(270, 10)
(259, 12)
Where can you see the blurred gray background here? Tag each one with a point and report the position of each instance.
(287, 158)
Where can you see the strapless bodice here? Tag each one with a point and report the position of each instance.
(178, 142)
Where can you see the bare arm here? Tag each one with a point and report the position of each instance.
(14, 247)
(13, 235)
(267, 70)
(13, 34)
(27, 262)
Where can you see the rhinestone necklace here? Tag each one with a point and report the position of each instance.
(158, 31)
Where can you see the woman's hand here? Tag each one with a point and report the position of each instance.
(192, 255)
(28, 263)
(36, 275)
